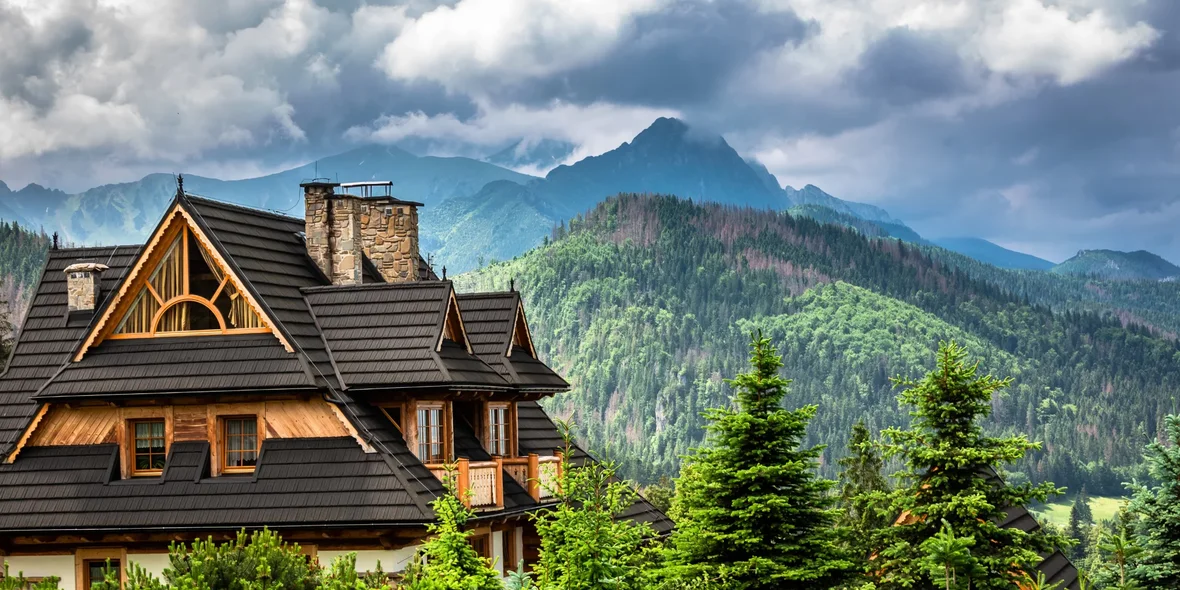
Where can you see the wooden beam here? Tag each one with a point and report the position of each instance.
(24, 438)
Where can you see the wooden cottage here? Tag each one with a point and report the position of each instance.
(248, 369)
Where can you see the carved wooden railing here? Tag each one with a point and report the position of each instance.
(538, 474)
(480, 484)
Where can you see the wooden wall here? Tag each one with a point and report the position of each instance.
(63, 425)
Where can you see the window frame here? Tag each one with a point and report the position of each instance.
(85, 556)
(223, 442)
(442, 429)
(132, 448)
(509, 438)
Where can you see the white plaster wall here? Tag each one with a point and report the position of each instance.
(40, 566)
(366, 561)
(154, 563)
(498, 551)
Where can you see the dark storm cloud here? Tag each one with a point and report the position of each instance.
(678, 58)
(907, 66)
(27, 56)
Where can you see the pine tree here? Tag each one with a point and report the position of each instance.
(862, 488)
(950, 467)
(1081, 518)
(1158, 529)
(749, 507)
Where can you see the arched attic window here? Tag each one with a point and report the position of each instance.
(188, 293)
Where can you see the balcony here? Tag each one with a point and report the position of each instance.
(481, 483)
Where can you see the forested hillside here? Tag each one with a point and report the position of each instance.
(646, 304)
(22, 255)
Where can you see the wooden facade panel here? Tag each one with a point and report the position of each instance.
(189, 423)
(302, 419)
(75, 426)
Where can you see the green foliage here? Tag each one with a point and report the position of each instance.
(647, 301)
(1157, 530)
(585, 545)
(447, 561)
(254, 561)
(660, 494)
(860, 479)
(948, 557)
(342, 575)
(948, 466)
(1081, 518)
(110, 578)
(749, 507)
(18, 582)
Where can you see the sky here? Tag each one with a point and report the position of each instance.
(1044, 125)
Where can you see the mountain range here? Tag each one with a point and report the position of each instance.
(478, 211)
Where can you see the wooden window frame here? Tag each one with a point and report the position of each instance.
(133, 449)
(443, 430)
(125, 436)
(410, 427)
(511, 555)
(223, 442)
(510, 426)
(83, 557)
(486, 538)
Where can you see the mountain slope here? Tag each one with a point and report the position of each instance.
(667, 157)
(647, 303)
(119, 213)
(813, 195)
(985, 251)
(1119, 266)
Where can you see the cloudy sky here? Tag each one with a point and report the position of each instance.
(1044, 125)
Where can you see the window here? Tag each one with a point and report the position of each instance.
(511, 561)
(240, 443)
(149, 448)
(430, 434)
(187, 292)
(94, 570)
(482, 545)
(500, 433)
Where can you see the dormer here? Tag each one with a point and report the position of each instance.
(179, 286)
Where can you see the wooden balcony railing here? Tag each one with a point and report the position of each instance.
(485, 479)
(539, 475)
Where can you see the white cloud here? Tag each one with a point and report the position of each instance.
(1027, 37)
(479, 42)
(594, 128)
(1065, 41)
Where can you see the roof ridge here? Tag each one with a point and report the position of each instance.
(238, 207)
(374, 286)
(92, 248)
(487, 294)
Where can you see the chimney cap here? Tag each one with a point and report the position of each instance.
(86, 267)
(319, 182)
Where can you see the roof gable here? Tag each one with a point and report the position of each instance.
(500, 337)
(145, 304)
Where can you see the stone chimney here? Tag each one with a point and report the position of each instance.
(83, 283)
(340, 226)
(389, 231)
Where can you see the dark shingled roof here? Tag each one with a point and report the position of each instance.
(47, 337)
(386, 334)
(490, 319)
(298, 482)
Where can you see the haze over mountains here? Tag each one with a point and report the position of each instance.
(470, 203)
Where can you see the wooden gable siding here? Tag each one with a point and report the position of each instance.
(283, 419)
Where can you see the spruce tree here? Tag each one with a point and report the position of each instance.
(1081, 518)
(950, 468)
(1157, 530)
(750, 510)
(862, 488)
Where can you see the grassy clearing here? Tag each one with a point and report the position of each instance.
(1103, 507)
